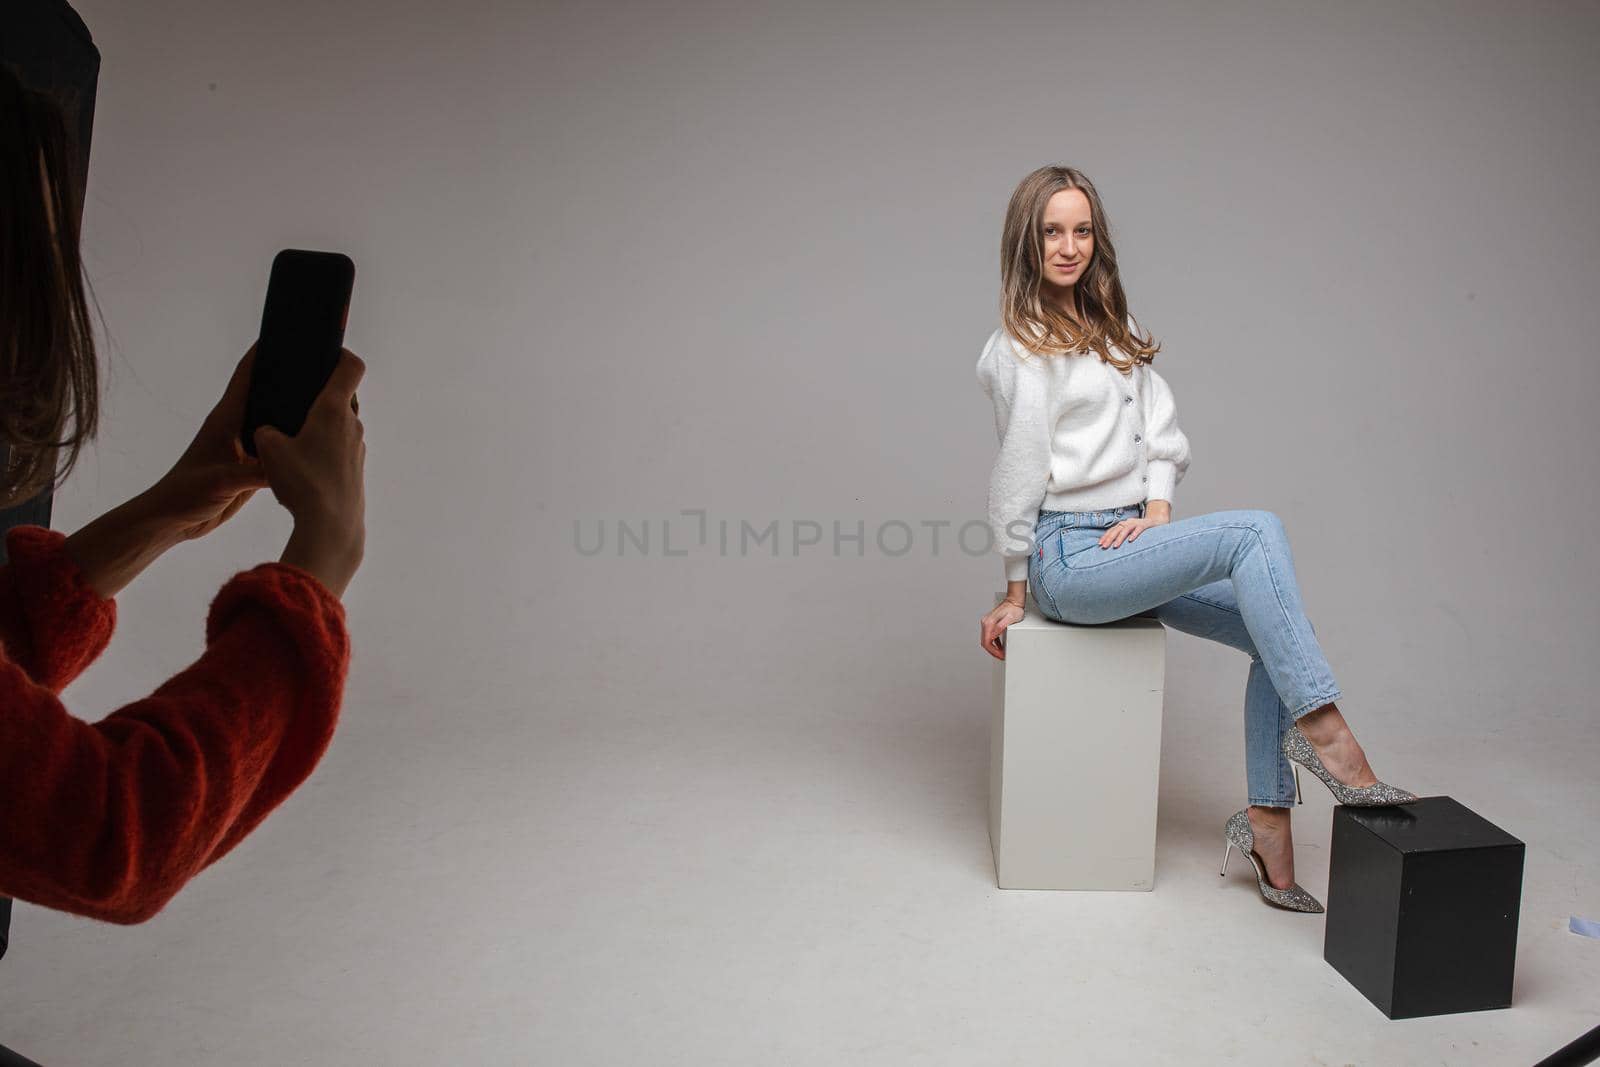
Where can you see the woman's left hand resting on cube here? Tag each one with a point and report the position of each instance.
(1009, 610)
(1004, 614)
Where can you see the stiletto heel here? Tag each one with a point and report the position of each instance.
(1296, 768)
(1240, 836)
(1378, 794)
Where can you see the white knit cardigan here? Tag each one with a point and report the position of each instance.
(1076, 434)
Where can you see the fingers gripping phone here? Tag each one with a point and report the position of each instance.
(302, 337)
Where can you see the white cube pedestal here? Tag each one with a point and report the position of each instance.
(1075, 753)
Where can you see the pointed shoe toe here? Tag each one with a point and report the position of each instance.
(1378, 794)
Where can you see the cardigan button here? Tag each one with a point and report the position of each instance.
(1127, 400)
(1144, 478)
(1136, 437)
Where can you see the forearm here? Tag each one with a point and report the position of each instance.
(1158, 509)
(115, 548)
(1016, 592)
(331, 560)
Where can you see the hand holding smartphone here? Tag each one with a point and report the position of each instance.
(314, 455)
(302, 336)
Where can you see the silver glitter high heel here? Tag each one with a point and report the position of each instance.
(1298, 749)
(1240, 836)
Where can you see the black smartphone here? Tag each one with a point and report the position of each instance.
(302, 333)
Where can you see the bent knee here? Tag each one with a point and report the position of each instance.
(1267, 522)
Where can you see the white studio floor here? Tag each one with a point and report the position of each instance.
(799, 874)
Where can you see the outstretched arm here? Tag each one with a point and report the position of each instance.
(110, 819)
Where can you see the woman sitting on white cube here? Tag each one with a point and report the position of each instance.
(1080, 503)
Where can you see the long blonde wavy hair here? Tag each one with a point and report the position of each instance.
(1040, 326)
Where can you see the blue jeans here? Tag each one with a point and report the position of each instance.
(1226, 576)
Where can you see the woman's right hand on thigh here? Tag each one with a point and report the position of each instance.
(994, 627)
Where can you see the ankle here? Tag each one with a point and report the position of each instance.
(1322, 725)
(1268, 816)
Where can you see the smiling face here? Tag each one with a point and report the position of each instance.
(1068, 235)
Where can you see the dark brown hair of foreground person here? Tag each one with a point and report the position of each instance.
(47, 356)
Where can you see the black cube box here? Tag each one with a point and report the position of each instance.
(1422, 907)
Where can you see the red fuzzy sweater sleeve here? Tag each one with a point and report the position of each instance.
(51, 623)
(110, 819)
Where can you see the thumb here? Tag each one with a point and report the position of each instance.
(267, 438)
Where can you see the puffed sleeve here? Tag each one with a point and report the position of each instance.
(1166, 447)
(1021, 471)
(52, 623)
(111, 819)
